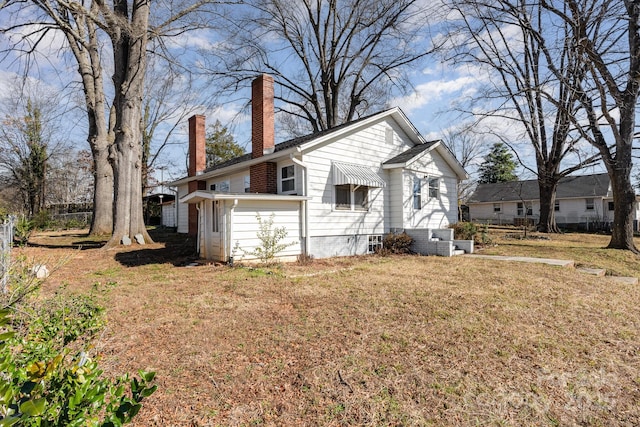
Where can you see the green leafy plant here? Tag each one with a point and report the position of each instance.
(465, 231)
(48, 377)
(270, 238)
(23, 229)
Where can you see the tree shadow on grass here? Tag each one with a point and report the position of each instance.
(179, 250)
(64, 242)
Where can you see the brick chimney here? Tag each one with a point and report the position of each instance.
(197, 164)
(197, 152)
(263, 175)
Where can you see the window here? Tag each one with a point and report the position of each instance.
(556, 206)
(375, 243)
(247, 183)
(589, 204)
(288, 179)
(521, 207)
(417, 193)
(434, 188)
(352, 197)
(215, 223)
(497, 208)
(611, 206)
(222, 186)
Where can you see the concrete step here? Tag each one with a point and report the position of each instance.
(625, 280)
(600, 272)
(458, 252)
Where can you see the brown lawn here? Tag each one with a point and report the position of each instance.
(370, 340)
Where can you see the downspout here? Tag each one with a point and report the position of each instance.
(305, 210)
(199, 229)
(230, 233)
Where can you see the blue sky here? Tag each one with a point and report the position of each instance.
(437, 87)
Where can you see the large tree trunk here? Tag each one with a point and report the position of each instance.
(102, 222)
(547, 187)
(625, 200)
(129, 50)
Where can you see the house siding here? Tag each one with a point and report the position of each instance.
(572, 211)
(246, 227)
(183, 211)
(435, 213)
(367, 147)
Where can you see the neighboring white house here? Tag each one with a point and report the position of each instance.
(584, 202)
(336, 192)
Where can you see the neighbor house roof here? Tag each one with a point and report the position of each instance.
(569, 187)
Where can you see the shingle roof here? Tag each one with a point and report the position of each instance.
(572, 186)
(410, 153)
(291, 143)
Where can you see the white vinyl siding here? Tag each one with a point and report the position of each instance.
(367, 148)
(246, 225)
(183, 210)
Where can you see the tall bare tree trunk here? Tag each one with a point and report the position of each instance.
(102, 222)
(86, 49)
(547, 188)
(129, 50)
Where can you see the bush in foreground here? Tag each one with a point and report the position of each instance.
(46, 375)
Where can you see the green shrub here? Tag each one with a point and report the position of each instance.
(23, 228)
(396, 243)
(470, 231)
(48, 377)
(465, 231)
(42, 220)
(270, 238)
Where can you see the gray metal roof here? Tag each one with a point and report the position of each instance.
(569, 187)
(410, 153)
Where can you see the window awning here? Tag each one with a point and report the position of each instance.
(346, 173)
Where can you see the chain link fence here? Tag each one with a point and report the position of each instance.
(6, 242)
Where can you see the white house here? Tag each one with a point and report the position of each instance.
(584, 201)
(336, 192)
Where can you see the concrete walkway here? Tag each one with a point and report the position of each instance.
(559, 263)
(549, 261)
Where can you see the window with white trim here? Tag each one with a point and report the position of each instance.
(417, 193)
(352, 197)
(590, 205)
(556, 206)
(214, 217)
(497, 208)
(611, 206)
(434, 188)
(288, 179)
(375, 243)
(247, 183)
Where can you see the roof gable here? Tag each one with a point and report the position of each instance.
(569, 187)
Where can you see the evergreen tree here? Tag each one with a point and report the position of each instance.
(498, 166)
(221, 146)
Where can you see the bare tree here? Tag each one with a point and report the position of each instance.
(125, 27)
(606, 34)
(169, 98)
(28, 139)
(469, 148)
(535, 70)
(334, 60)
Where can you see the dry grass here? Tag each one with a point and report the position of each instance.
(371, 341)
